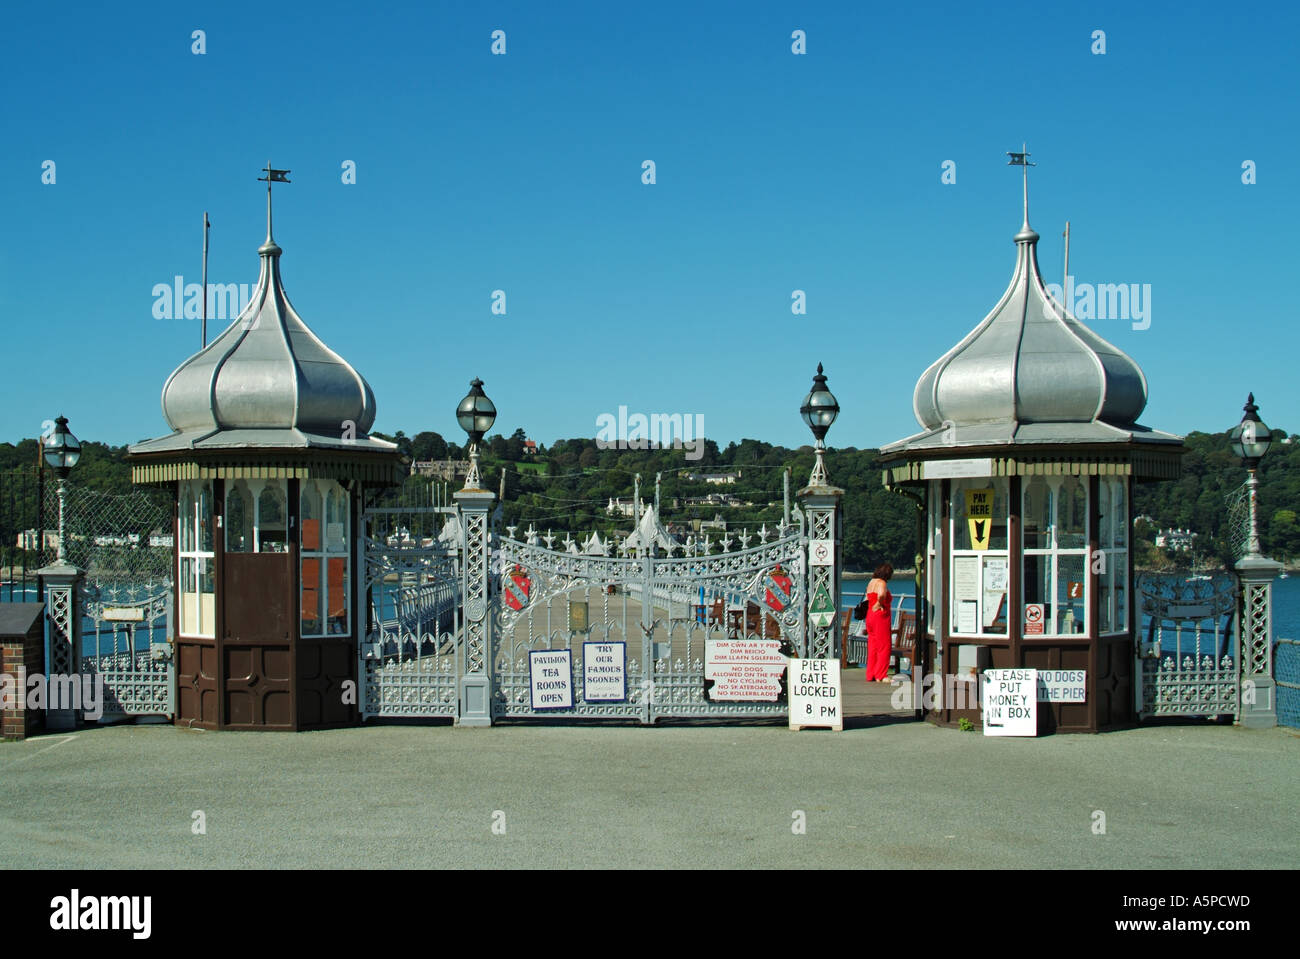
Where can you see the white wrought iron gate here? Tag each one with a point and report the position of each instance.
(1188, 662)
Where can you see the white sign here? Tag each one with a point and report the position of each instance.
(821, 552)
(604, 672)
(1010, 702)
(815, 698)
(748, 670)
(957, 469)
(123, 614)
(551, 678)
(1062, 685)
(967, 616)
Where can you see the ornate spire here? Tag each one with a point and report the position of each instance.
(272, 176)
(1022, 160)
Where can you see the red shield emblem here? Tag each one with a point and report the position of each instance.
(779, 588)
(518, 586)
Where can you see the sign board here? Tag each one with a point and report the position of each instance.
(821, 611)
(746, 670)
(957, 469)
(1062, 685)
(1076, 591)
(821, 552)
(1033, 619)
(604, 672)
(815, 696)
(979, 514)
(967, 616)
(1010, 702)
(550, 674)
(577, 617)
(123, 614)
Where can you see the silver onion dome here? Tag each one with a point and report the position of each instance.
(268, 371)
(1028, 362)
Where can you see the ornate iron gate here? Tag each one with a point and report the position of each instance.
(649, 617)
(125, 646)
(1188, 662)
(411, 655)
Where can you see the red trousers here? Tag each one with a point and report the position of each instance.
(877, 658)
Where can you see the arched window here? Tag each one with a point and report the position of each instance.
(239, 518)
(324, 543)
(978, 571)
(197, 575)
(272, 521)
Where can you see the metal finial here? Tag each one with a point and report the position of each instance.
(272, 176)
(1022, 160)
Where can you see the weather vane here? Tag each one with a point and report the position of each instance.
(272, 176)
(1017, 159)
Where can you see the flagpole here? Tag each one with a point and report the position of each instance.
(1066, 278)
(206, 225)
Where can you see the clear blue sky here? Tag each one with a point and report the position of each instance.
(522, 172)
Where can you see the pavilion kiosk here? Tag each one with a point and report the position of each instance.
(268, 459)
(1025, 471)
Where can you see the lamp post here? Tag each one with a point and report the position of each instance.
(61, 450)
(1250, 441)
(824, 530)
(476, 414)
(61, 583)
(819, 411)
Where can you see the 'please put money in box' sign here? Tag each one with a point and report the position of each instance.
(1010, 702)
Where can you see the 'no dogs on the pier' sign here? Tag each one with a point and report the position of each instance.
(1010, 702)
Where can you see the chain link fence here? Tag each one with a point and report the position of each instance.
(119, 539)
(1286, 673)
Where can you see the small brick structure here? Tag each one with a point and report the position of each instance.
(22, 654)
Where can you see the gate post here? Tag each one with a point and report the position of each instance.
(1255, 660)
(824, 532)
(476, 630)
(62, 584)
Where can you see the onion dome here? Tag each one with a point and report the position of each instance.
(1029, 361)
(267, 385)
(268, 371)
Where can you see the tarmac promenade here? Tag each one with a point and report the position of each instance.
(882, 794)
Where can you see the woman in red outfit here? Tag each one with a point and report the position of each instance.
(879, 624)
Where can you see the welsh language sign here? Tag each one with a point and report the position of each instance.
(1010, 702)
(551, 678)
(604, 672)
(815, 698)
(747, 670)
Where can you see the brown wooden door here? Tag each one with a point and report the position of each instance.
(257, 640)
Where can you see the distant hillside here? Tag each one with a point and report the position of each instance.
(567, 487)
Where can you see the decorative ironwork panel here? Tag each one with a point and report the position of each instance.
(410, 658)
(662, 608)
(1188, 664)
(128, 647)
(1255, 650)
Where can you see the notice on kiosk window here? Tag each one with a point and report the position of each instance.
(815, 698)
(1010, 702)
(604, 672)
(745, 670)
(551, 677)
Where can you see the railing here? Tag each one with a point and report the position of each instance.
(1286, 673)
